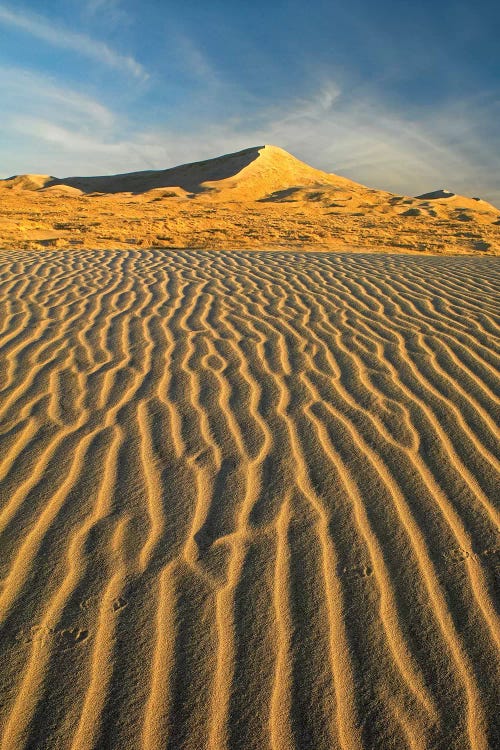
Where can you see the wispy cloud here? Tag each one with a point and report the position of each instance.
(140, 151)
(25, 92)
(63, 38)
(194, 62)
(28, 97)
(52, 128)
(111, 11)
(406, 151)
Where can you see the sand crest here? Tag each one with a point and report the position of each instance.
(248, 501)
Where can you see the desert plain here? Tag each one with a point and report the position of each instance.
(261, 197)
(249, 462)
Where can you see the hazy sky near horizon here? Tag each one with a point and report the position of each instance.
(397, 95)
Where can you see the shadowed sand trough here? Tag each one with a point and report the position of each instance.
(248, 501)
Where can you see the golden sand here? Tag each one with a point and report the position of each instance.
(260, 197)
(248, 501)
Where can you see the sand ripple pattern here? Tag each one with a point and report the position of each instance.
(248, 501)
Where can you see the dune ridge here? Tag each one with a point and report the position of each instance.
(248, 500)
(245, 175)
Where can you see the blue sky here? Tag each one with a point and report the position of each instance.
(398, 95)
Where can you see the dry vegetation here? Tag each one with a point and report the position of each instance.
(259, 198)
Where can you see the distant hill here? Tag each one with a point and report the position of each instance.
(264, 196)
(250, 174)
(253, 174)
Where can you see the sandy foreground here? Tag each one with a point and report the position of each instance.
(248, 500)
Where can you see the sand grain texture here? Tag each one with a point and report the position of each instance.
(248, 501)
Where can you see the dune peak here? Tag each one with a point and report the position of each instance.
(249, 174)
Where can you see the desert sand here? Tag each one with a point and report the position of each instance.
(248, 500)
(260, 197)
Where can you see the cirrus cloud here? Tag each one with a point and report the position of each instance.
(41, 28)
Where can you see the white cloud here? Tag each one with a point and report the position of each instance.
(193, 61)
(25, 93)
(43, 29)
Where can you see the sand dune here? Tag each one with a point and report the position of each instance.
(248, 501)
(249, 175)
(259, 197)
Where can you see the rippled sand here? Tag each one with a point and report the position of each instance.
(248, 501)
